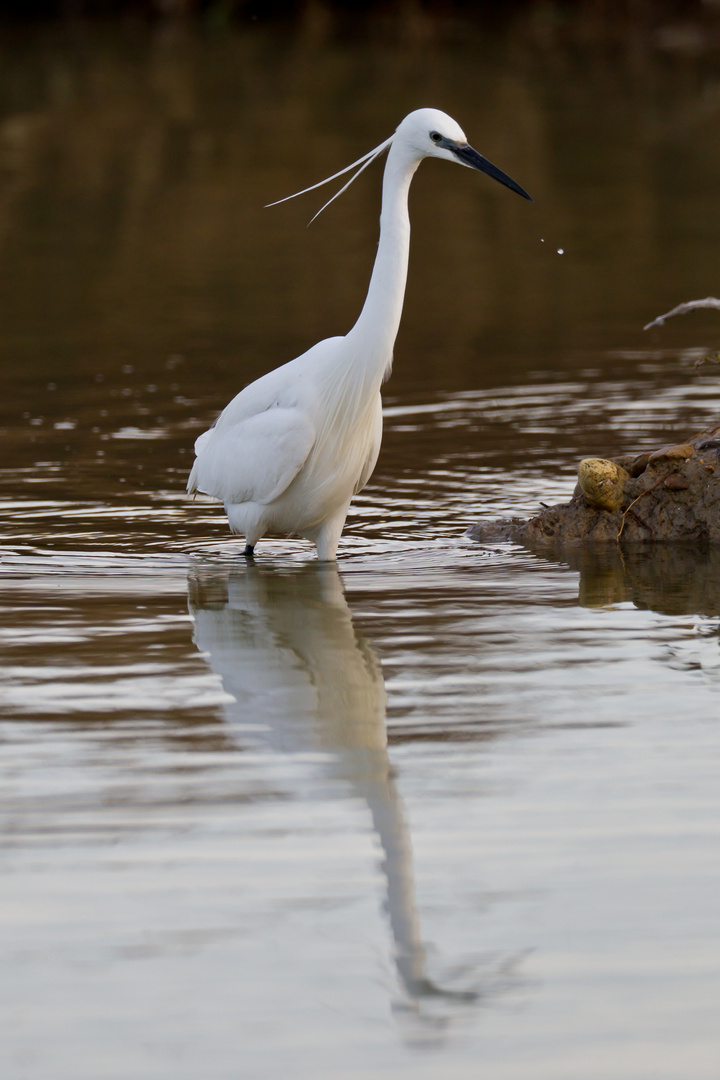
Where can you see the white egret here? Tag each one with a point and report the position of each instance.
(289, 452)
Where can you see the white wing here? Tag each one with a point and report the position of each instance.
(252, 460)
(262, 438)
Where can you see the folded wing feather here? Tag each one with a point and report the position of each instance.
(253, 460)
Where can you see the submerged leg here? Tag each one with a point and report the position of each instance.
(245, 520)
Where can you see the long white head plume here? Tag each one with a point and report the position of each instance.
(363, 162)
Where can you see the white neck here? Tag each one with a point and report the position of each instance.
(373, 335)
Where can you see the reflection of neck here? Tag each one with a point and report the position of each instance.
(384, 803)
(376, 328)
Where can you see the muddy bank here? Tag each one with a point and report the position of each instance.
(668, 495)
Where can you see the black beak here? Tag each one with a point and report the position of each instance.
(470, 157)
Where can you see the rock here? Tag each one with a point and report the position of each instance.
(602, 482)
(639, 464)
(676, 482)
(678, 451)
(669, 495)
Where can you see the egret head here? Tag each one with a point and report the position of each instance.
(432, 133)
(423, 133)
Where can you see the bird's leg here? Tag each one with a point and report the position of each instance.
(249, 551)
(328, 536)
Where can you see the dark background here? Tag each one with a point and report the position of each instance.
(612, 16)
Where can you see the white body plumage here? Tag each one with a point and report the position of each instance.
(289, 452)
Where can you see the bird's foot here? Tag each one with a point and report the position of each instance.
(249, 551)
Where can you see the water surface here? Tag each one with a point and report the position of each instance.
(443, 809)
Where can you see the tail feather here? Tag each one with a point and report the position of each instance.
(192, 484)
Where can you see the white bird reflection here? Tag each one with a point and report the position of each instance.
(288, 653)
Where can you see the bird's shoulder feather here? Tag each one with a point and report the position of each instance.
(292, 385)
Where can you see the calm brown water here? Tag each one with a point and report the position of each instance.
(444, 811)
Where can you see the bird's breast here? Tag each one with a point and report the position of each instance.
(347, 441)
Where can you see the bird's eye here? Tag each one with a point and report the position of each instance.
(436, 136)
